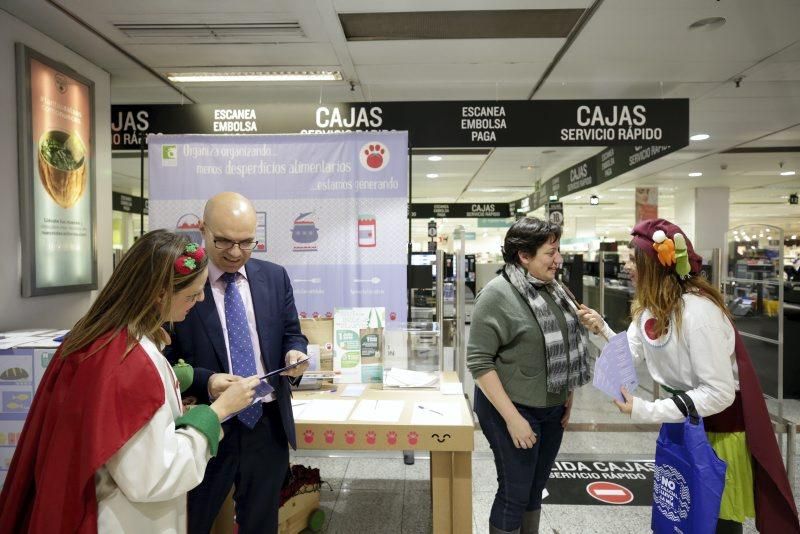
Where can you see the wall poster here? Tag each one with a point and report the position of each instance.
(55, 122)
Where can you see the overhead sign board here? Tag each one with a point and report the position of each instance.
(431, 124)
(490, 210)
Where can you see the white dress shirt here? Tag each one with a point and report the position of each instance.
(218, 291)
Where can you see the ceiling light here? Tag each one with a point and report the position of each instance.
(553, 198)
(711, 23)
(431, 175)
(695, 174)
(794, 237)
(577, 197)
(594, 200)
(210, 77)
(788, 173)
(527, 167)
(699, 137)
(434, 158)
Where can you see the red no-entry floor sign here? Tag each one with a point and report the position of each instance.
(609, 492)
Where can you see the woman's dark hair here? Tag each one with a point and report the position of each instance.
(528, 235)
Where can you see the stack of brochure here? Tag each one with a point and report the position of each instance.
(403, 378)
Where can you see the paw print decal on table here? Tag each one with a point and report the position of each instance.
(391, 437)
(350, 437)
(308, 436)
(329, 436)
(413, 438)
(371, 437)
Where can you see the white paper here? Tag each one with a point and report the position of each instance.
(384, 411)
(451, 388)
(436, 413)
(353, 390)
(42, 342)
(299, 407)
(404, 378)
(325, 410)
(24, 333)
(10, 343)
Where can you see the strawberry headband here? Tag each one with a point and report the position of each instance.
(667, 243)
(188, 261)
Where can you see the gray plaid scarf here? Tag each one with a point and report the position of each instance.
(559, 374)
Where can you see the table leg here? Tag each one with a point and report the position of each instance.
(451, 492)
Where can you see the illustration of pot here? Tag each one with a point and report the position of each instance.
(304, 231)
(189, 224)
(62, 166)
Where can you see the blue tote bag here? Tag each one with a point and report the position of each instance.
(689, 477)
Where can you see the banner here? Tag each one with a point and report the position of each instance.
(432, 124)
(646, 203)
(331, 209)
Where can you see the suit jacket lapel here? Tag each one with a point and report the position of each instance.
(207, 310)
(260, 308)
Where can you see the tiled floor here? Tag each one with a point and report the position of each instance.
(376, 493)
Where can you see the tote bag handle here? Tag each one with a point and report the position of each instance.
(686, 405)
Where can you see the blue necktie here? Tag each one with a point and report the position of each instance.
(243, 360)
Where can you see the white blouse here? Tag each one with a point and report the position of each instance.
(142, 488)
(700, 360)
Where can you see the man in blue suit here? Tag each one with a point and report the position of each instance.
(246, 325)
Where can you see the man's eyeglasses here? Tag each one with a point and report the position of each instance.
(225, 244)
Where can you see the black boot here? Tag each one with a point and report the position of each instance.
(530, 522)
(494, 530)
(726, 526)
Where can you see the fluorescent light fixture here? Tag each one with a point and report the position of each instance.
(695, 174)
(434, 158)
(794, 237)
(788, 173)
(217, 77)
(699, 137)
(431, 175)
(553, 198)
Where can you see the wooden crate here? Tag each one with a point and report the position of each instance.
(294, 514)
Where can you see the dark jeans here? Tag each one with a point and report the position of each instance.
(255, 461)
(521, 473)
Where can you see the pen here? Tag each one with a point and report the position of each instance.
(424, 408)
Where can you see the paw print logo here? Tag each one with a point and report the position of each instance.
(391, 437)
(371, 437)
(413, 438)
(315, 315)
(329, 435)
(350, 437)
(393, 316)
(308, 436)
(303, 315)
(374, 156)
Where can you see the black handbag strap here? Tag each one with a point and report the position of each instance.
(686, 405)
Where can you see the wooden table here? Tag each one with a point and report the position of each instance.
(450, 444)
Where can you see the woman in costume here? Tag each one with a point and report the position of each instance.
(106, 446)
(684, 332)
(527, 352)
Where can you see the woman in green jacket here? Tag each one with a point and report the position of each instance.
(527, 351)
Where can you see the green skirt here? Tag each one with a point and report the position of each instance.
(737, 497)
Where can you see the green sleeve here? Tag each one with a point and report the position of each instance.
(203, 419)
(184, 373)
(488, 332)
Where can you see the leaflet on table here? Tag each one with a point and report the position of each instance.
(358, 344)
(614, 368)
(381, 411)
(436, 413)
(332, 410)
